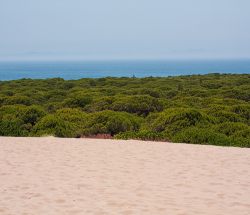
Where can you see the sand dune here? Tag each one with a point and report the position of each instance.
(48, 176)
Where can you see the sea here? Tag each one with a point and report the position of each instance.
(118, 68)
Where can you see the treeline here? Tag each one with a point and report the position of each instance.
(200, 109)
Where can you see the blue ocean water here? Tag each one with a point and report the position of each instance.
(94, 69)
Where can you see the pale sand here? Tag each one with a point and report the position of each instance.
(47, 176)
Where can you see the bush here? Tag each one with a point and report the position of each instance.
(55, 126)
(226, 116)
(174, 120)
(12, 126)
(141, 105)
(110, 122)
(232, 128)
(77, 101)
(13, 110)
(196, 135)
(239, 94)
(240, 141)
(31, 115)
(13, 100)
(100, 104)
(201, 136)
(141, 135)
(72, 115)
(242, 110)
(19, 119)
(151, 92)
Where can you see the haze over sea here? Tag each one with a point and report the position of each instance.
(118, 68)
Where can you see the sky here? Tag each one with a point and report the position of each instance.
(124, 29)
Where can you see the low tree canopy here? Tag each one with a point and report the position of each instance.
(199, 109)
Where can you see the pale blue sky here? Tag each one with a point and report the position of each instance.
(124, 29)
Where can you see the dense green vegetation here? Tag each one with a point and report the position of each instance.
(200, 109)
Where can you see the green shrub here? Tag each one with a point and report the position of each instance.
(72, 115)
(141, 105)
(201, 136)
(232, 128)
(151, 92)
(12, 126)
(216, 107)
(32, 114)
(242, 110)
(27, 116)
(13, 110)
(174, 120)
(55, 126)
(238, 141)
(110, 122)
(77, 100)
(2, 99)
(171, 94)
(196, 135)
(13, 100)
(141, 135)
(226, 116)
(100, 104)
(240, 94)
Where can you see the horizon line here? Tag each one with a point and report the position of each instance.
(120, 59)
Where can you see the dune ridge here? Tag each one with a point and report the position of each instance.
(93, 176)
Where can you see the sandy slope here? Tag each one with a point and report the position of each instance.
(47, 176)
